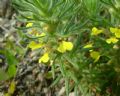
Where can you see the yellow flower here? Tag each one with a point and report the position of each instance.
(117, 34)
(33, 45)
(96, 31)
(45, 58)
(88, 45)
(112, 40)
(116, 31)
(29, 25)
(95, 55)
(113, 30)
(65, 46)
(41, 35)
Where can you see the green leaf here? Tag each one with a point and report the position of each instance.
(12, 70)
(3, 75)
(56, 80)
(48, 75)
(76, 90)
(67, 86)
(11, 60)
(72, 75)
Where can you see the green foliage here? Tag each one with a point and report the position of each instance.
(12, 54)
(12, 64)
(3, 75)
(69, 25)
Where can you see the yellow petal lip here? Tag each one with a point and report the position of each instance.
(117, 34)
(33, 45)
(113, 30)
(45, 58)
(112, 40)
(116, 31)
(95, 55)
(61, 48)
(41, 35)
(68, 45)
(29, 24)
(65, 46)
(96, 31)
(89, 45)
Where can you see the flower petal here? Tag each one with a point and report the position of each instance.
(45, 58)
(117, 34)
(68, 45)
(88, 45)
(41, 35)
(96, 31)
(112, 40)
(65, 46)
(33, 45)
(113, 30)
(29, 25)
(61, 48)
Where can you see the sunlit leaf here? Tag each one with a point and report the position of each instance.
(95, 55)
(89, 45)
(12, 86)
